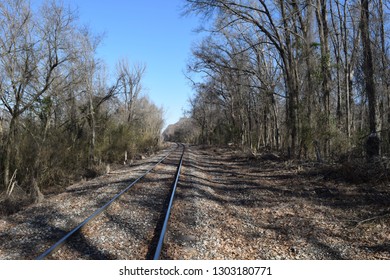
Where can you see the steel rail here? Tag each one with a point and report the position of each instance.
(97, 212)
(167, 214)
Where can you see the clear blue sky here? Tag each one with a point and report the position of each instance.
(152, 32)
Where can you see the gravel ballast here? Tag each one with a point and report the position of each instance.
(227, 206)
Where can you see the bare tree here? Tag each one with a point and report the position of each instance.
(34, 49)
(130, 78)
(60, 117)
(306, 42)
(277, 21)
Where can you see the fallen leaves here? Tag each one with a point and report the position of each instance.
(291, 215)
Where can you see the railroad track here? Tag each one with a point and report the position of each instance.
(136, 217)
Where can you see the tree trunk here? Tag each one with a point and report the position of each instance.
(91, 160)
(276, 126)
(372, 144)
(385, 100)
(10, 154)
(292, 115)
(36, 195)
(325, 65)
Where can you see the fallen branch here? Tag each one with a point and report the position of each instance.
(372, 219)
(11, 184)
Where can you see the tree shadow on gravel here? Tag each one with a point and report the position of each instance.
(35, 233)
(32, 242)
(83, 246)
(39, 233)
(383, 247)
(302, 186)
(256, 184)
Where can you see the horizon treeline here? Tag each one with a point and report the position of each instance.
(309, 78)
(62, 115)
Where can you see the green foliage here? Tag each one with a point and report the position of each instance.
(56, 155)
(186, 130)
(140, 136)
(315, 45)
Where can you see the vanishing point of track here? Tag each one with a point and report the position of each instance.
(156, 244)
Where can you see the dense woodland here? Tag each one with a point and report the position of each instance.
(308, 78)
(62, 115)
